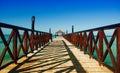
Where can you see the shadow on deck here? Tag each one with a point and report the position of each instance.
(56, 57)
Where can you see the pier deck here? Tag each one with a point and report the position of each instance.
(60, 56)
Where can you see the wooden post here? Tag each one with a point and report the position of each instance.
(85, 42)
(100, 46)
(80, 41)
(90, 48)
(72, 29)
(50, 38)
(50, 30)
(66, 31)
(40, 39)
(33, 22)
(15, 45)
(77, 39)
(37, 40)
(117, 68)
(25, 43)
(32, 41)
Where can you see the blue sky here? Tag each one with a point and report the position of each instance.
(60, 14)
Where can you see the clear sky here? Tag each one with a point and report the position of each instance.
(60, 14)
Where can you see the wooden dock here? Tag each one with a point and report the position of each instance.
(59, 56)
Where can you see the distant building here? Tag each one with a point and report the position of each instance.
(59, 33)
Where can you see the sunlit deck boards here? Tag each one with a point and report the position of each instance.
(59, 56)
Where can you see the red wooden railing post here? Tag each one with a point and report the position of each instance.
(77, 39)
(117, 68)
(85, 42)
(15, 45)
(90, 46)
(100, 46)
(40, 40)
(80, 41)
(25, 43)
(37, 40)
(43, 36)
(32, 41)
(51, 37)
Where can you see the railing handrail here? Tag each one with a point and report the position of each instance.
(112, 26)
(18, 27)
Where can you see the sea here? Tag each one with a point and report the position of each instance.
(107, 61)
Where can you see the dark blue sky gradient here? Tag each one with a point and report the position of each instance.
(60, 14)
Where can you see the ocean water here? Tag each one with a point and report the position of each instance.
(7, 57)
(53, 36)
(107, 61)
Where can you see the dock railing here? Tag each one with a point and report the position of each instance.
(95, 39)
(22, 40)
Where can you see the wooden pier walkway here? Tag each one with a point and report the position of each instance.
(59, 56)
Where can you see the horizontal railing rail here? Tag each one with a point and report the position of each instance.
(17, 27)
(22, 39)
(102, 28)
(93, 42)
